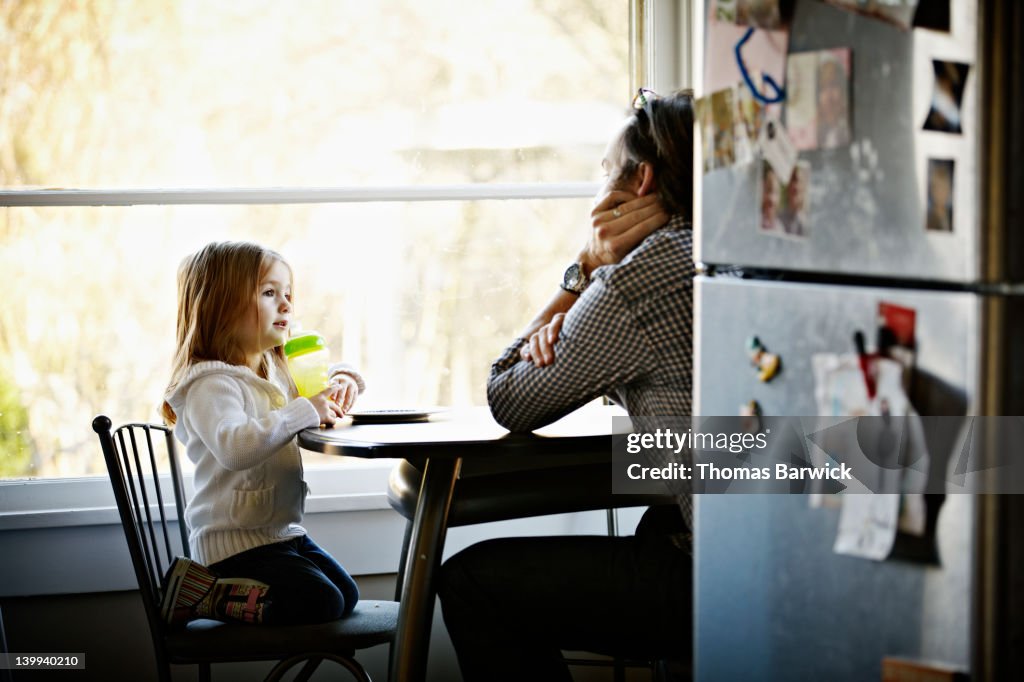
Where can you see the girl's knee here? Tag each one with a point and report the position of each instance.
(350, 596)
(313, 601)
(328, 602)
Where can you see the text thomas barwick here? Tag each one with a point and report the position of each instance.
(708, 471)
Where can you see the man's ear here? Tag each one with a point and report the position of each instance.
(645, 179)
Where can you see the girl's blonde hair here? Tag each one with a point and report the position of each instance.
(216, 287)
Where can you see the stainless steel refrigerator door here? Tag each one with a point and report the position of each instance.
(772, 599)
(868, 200)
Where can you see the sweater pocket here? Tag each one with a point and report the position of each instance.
(252, 508)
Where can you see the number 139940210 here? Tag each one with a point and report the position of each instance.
(42, 661)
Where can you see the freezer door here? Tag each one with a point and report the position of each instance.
(773, 601)
(868, 200)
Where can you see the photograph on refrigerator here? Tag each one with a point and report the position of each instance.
(818, 99)
(940, 195)
(944, 113)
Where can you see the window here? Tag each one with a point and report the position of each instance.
(458, 144)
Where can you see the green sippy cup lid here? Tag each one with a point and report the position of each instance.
(306, 342)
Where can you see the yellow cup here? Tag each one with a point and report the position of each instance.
(308, 362)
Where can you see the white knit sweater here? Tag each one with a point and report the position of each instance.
(239, 431)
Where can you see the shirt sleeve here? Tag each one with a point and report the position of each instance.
(216, 411)
(345, 368)
(599, 347)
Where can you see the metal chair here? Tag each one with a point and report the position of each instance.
(143, 501)
(5, 674)
(496, 494)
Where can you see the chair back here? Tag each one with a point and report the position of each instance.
(132, 452)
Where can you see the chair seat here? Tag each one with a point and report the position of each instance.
(371, 623)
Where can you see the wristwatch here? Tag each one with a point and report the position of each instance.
(575, 280)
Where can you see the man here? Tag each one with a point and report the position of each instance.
(620, 325)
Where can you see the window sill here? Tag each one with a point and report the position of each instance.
(103, 516)
(31, 504)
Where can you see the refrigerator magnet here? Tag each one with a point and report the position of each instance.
(750, 417)
(767, 364)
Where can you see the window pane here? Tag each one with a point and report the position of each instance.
(201, 93)
(421, 296)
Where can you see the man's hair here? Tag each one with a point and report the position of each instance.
(661, 133)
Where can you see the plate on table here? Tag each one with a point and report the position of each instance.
(391, 415)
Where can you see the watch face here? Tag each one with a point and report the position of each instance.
(573, 276)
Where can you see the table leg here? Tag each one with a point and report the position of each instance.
(426, 544)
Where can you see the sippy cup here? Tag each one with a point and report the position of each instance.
(308, 361)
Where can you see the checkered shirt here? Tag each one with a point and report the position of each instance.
(628, 337)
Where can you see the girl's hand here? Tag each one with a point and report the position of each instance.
(345, 390)
(541, 346)
(620, 221)
(326, 407)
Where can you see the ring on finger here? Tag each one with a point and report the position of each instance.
(616, 212)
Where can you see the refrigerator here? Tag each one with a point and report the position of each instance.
(773, 600)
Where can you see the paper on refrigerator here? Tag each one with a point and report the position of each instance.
(868, 522)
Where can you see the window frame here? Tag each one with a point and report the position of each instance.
(88, 500)
(662, 52)
(294, 195)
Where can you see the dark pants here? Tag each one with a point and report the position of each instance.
(306, 584)
(512, 604)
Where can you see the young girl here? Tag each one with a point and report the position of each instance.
(235, 408)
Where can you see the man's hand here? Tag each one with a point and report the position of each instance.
(620, 221)
(540, 348)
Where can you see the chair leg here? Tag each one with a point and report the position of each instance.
(6, 675)
(350, 664)
(307, 670)
(619, 674)
(400, 578)
(613, 522)
(204, 672)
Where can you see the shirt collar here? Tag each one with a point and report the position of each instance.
(677, 222)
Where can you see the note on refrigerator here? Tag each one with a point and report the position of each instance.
(868, 522)
(867, 525)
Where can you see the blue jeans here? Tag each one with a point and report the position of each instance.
(512, 604)
(306, 584)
